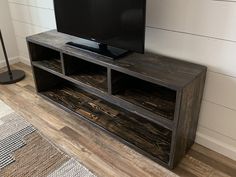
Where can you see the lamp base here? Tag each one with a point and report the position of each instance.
(17, 75)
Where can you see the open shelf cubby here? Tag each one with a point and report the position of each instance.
(86, 72)
(45, 57)
(141, 133)
(157, 99)
(149, 102)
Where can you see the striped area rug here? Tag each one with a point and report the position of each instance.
(25, 153)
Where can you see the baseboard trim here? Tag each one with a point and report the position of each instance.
(12, 60)
(215, 145)
(24, 60)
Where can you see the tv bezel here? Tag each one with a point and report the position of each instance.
(101, 42)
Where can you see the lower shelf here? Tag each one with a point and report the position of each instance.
(151, 138)
(97, 80)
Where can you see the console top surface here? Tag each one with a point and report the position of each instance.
(166, 71)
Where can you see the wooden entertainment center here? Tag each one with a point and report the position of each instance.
(149, 102)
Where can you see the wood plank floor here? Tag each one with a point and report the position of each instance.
(99, 152)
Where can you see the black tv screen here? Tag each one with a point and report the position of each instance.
(118, 23)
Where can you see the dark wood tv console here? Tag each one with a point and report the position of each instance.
(149, 102)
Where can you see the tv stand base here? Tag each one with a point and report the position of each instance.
(102, 49)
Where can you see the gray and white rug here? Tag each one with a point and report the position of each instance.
(24, 152)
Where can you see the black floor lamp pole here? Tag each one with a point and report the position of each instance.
(11, 76)
(5, 54)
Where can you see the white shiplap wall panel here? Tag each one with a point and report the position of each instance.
(203, 17)
(47, 4)
(216, 54)
(22, 47)
(200, 31)
(219, 119)
(20, 13)
(221, 89)
(25, 29)
(32, 15)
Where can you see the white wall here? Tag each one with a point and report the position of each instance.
(201, 31)
(8, 33)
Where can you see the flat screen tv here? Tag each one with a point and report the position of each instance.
(114, 26)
